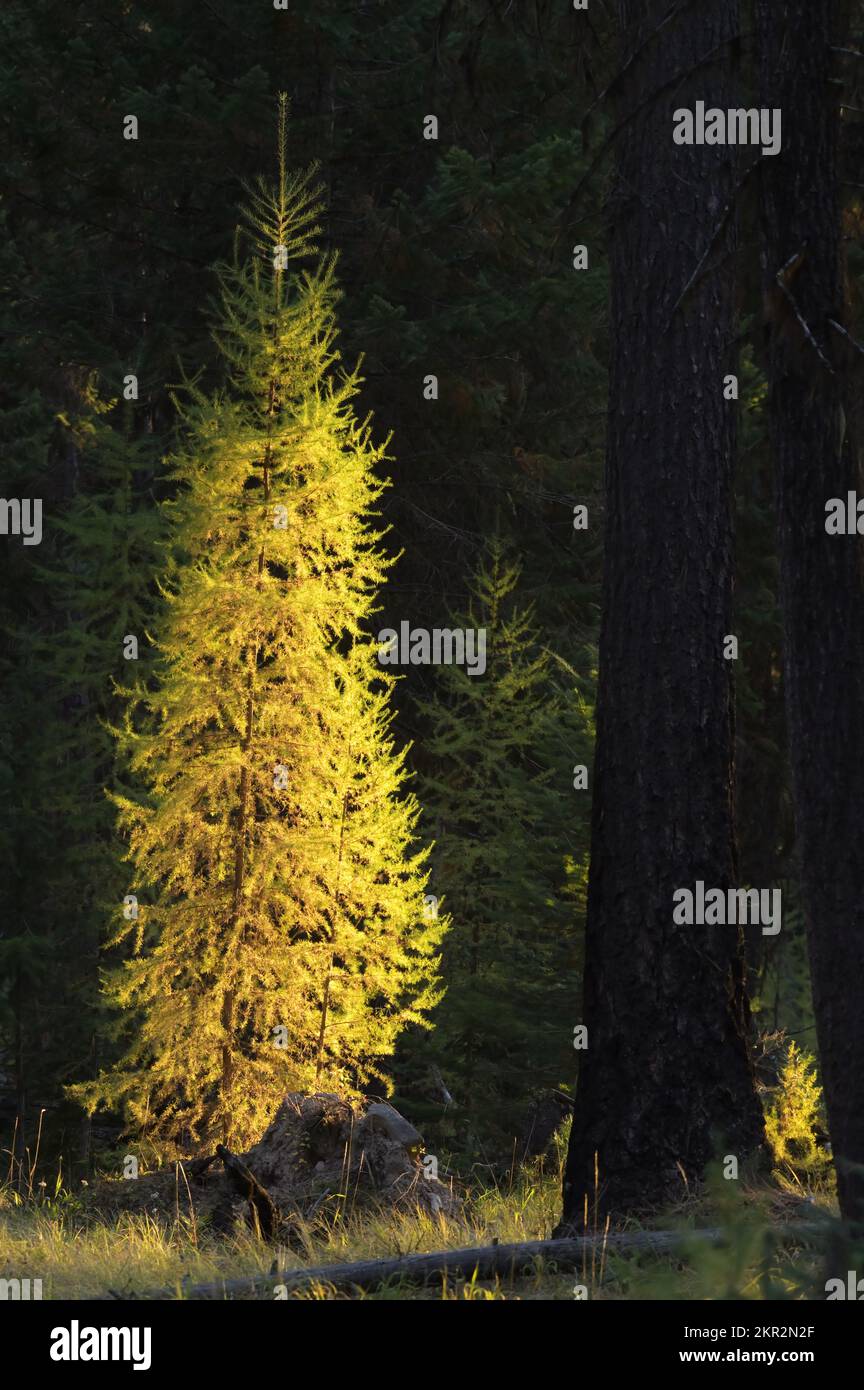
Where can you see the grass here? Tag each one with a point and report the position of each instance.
(53, 1236)
(79, 1255)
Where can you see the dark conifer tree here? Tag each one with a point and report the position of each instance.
(816, 423)
(499, 760)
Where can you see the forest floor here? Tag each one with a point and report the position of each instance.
(79, 1254)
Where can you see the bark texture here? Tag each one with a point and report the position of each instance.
(815, 391)
(666, 1082)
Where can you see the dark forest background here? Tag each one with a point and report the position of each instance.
(456, 259)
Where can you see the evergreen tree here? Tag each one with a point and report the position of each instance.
(816, 429)
(279, 933)
(500, 762)
(97, 576)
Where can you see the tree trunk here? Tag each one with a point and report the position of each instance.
(229, 1042)
(666, 1078)
(812, 411)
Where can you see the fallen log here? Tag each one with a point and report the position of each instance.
(485, 1261)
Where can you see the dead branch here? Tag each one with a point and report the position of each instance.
(245, 1184)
